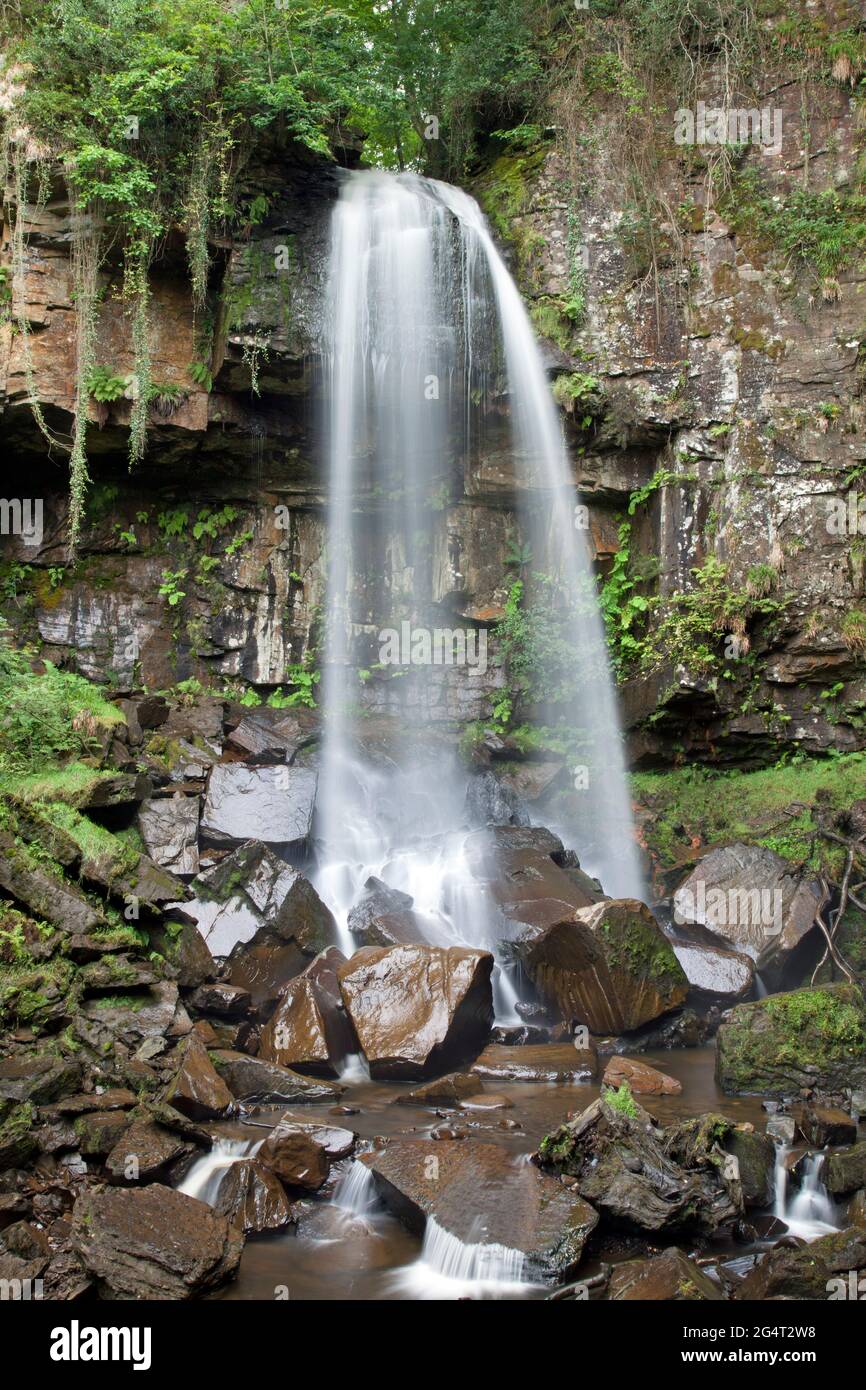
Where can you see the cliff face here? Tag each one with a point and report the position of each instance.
(712, 374)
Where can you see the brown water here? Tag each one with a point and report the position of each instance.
(332, 1255)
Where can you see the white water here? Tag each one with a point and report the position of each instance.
(356, 1191)
(448, 1268)
(417, 293)
(205, 1176)
(810, 1213)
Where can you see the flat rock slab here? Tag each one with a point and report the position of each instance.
(538, 1062)
(669, 1277)
(271, 804)
(153, 1242)
(482, 1195)
(254, 1080)
(640, 1078)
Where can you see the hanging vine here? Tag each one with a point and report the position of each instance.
(85, 280)
(136, 291)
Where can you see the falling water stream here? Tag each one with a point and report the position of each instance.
(810, 1213)
(423, 322)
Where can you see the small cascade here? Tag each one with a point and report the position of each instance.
(356, 1191)
(354, 1070)
(205, 1176)
(449, 1268)
(810, 1213)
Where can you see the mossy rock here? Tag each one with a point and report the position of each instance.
(814, 1037)
(17, 1142)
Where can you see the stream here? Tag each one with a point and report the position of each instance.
(346, 1246)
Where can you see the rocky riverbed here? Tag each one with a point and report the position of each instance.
(210, 1088)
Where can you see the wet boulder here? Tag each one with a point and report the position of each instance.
(445, 1091)
(634, 1173)
(489, 802)
(819, 1271)
(383, 916)
(310, 1030)
(609, 966)
(252, 1197)
(715, 975)
(523, 1209)
(48, 897)
(752, 900)
(258, 1081)
(822, 1125)
(169, 828)
(756, 1162)
(197, 1090)
(670, 1277)
(844, 1172)
(417, 1010)
(813, 1037)
(552, 1063)
(270, 804)
(264, 970)
(153, 1243)
(640, 1078)
(252, 896)
(38, 1077)
(224, 1000)
(146, 1152)
(186, 951)
(132, 1018)
(296, 1155)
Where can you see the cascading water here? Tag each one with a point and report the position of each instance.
(422, 320)
(810, 1214)
(206, 1174)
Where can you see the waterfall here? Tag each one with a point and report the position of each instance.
(810, 1214)
(423, 323)
(449, 1268)
(205, 1176)
(355, 1193)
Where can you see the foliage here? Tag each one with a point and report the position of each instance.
(49, 717)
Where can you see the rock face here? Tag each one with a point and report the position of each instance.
(668, 1277)
(383, 917)
(608, 966)
(309, 1029)
(417, 1010)
(642, 1178)
(252, 1198)
(169, 828)
(271, 804)
(814, 1037)
(153, 1243)
(523, 1209)
(756, 1160)
(750, 898)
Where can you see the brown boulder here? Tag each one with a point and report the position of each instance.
(609, 966)
(549, 1062)
(640, 1078)
(256, 1080)
(296, 1155)
(198, 1090)
(417, 1010)
(523, 1208)
(145, 1152)
(309, 1030)
(153, 1243)
(448, 1090)
(252, 1198)
(668, 1277)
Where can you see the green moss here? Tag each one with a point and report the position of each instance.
(813, 1034)
(692, 803)
(639, 949)
(621, 1100)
